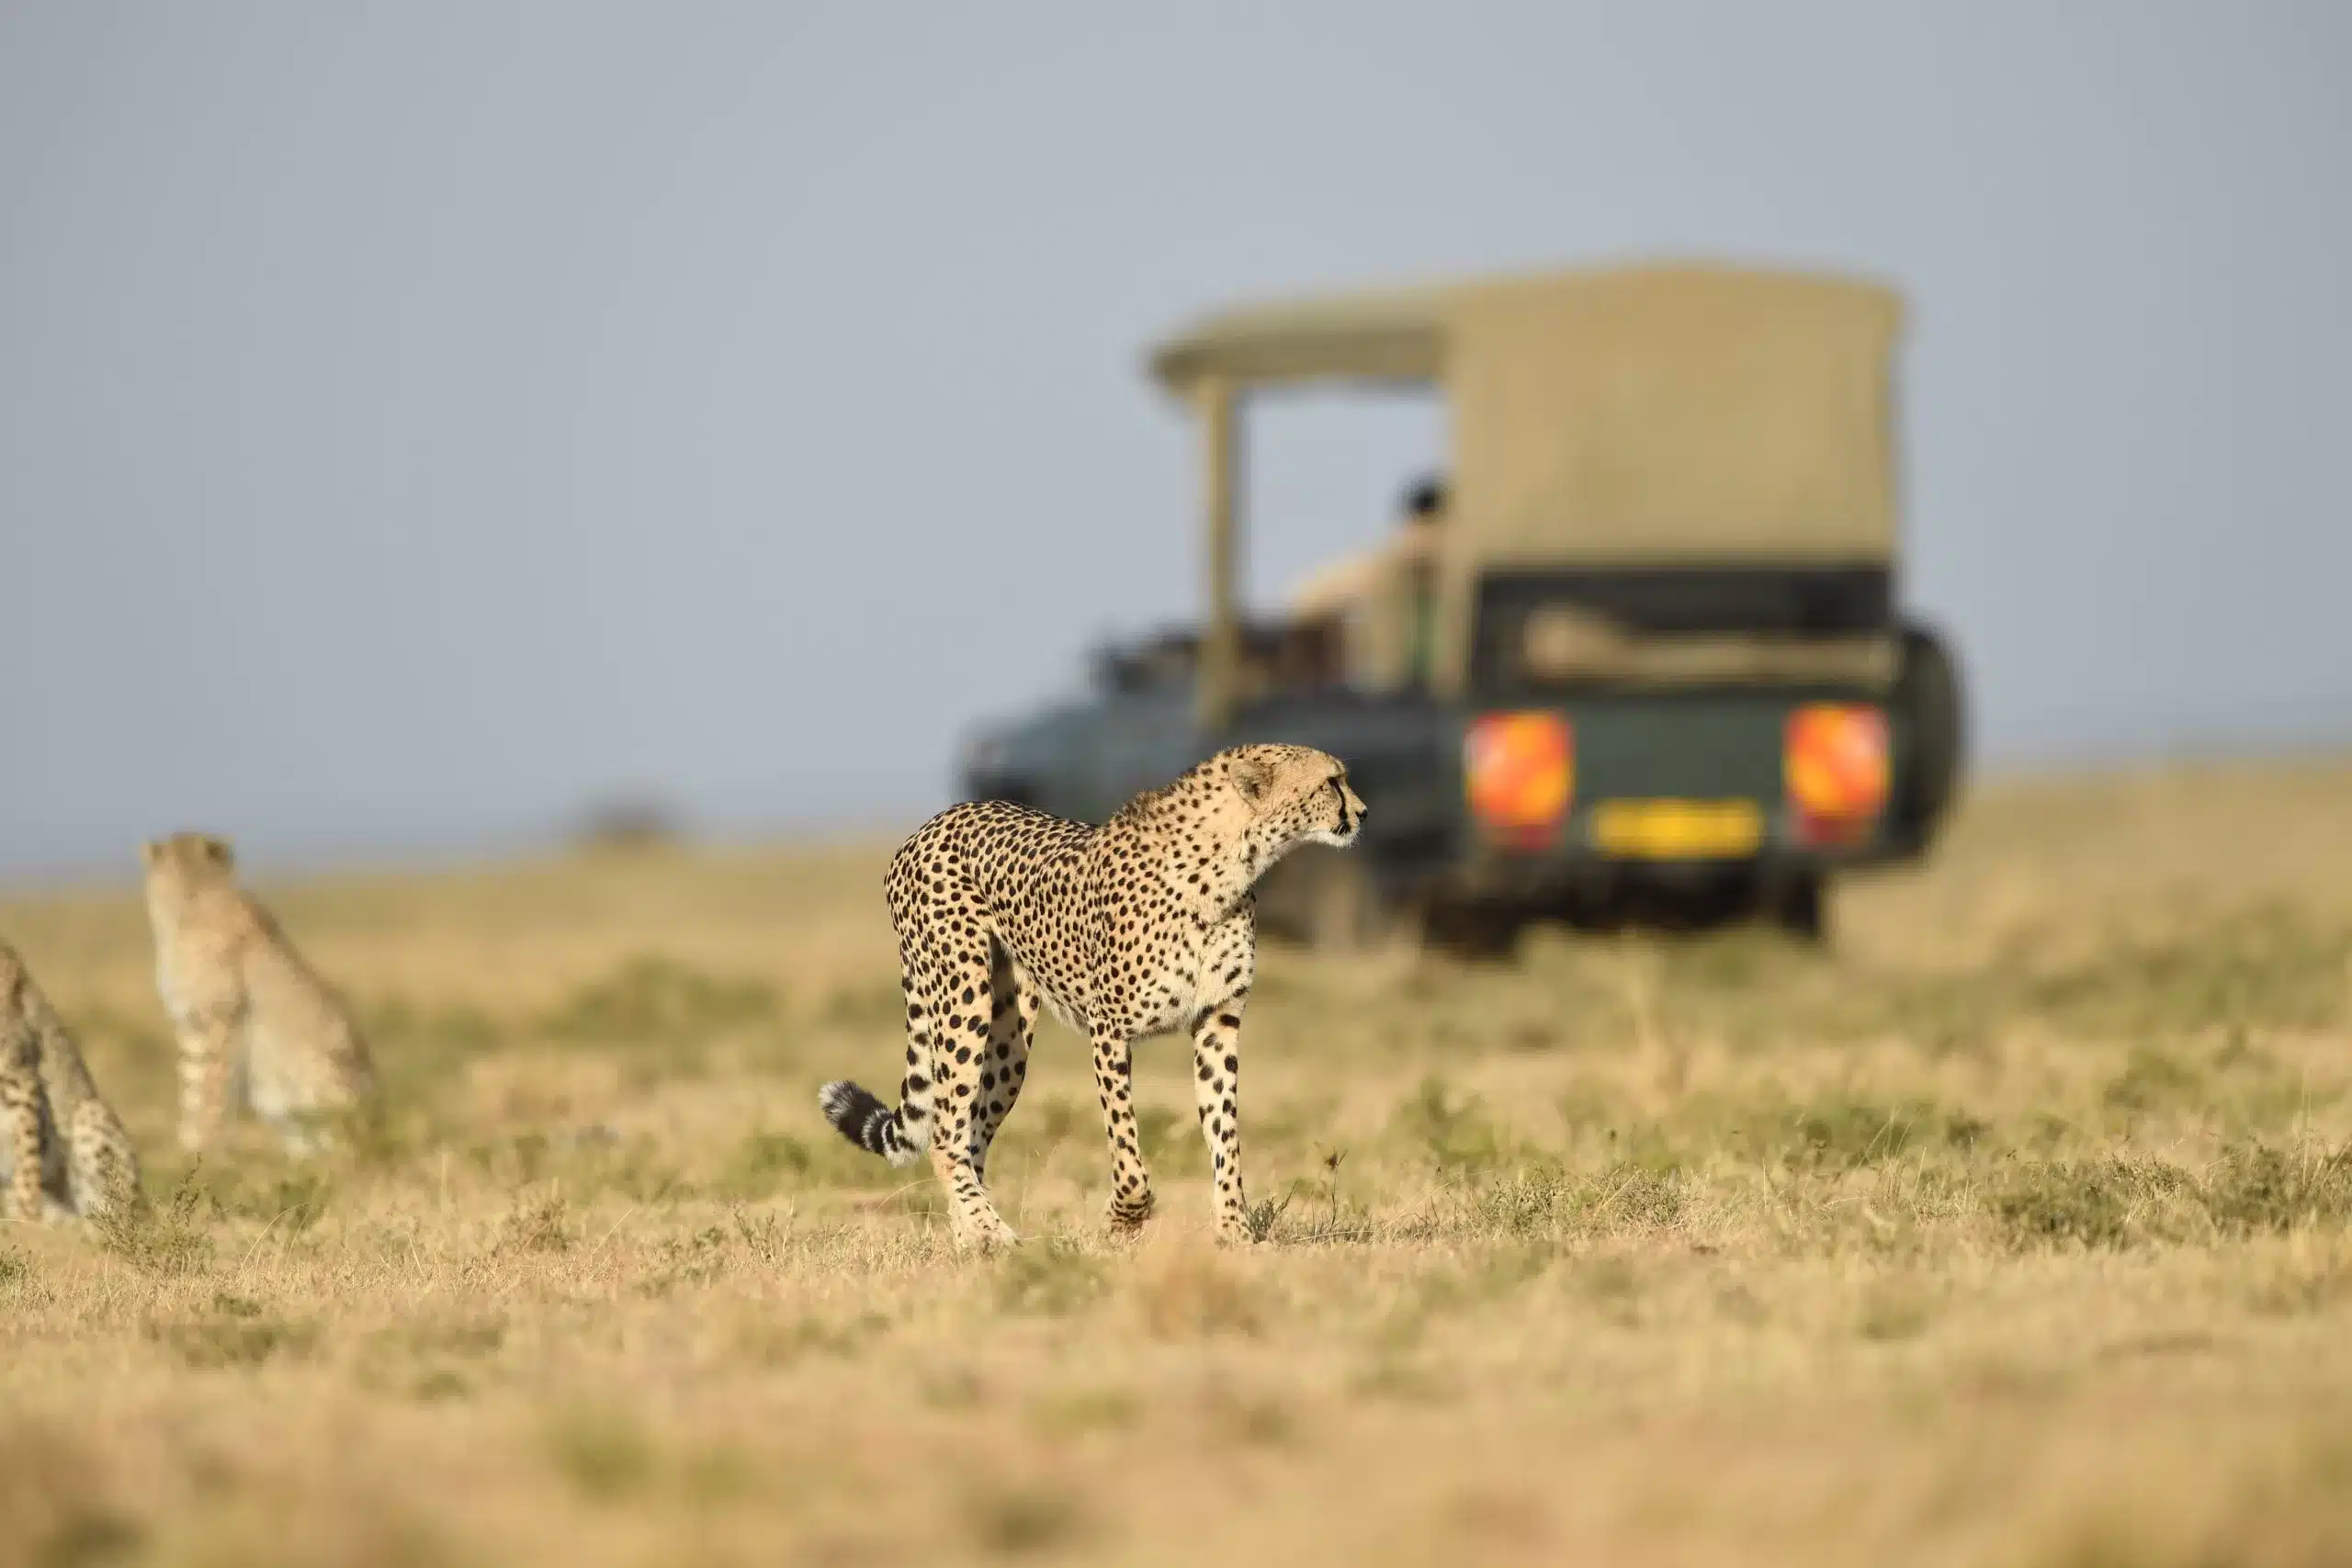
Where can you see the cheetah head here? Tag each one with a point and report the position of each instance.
(185, 860)
(1294, 794)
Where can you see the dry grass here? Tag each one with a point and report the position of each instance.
(2018, 1231)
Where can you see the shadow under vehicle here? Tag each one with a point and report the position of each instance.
(1651, 669)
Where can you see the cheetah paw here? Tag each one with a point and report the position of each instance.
(1128, 1219)
(984, 1236)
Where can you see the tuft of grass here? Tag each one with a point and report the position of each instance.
(1049, 1279)
(1843, 1132)
(688, 1260)
(1543, 1200)
(536, 1225)
(2109, 1202)
(1260, 1218)
(161, 1240)
(1332, 1217)
(1022, 1519)
(2254, 1188)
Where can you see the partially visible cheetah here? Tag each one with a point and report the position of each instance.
(62, 1152)
(256, 1026)
(1137, 928)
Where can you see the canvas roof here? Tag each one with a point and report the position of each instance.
(1371, 334)
(1647, 415)
(1671, 411)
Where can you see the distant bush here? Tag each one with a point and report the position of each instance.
(625, 823)
(2115, 1202)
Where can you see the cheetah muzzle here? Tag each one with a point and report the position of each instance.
(1143, 925)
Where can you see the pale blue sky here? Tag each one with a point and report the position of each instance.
(417, 419)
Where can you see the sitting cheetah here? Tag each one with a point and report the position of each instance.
(62, 1152)
(1136, 928)
(255, 1025)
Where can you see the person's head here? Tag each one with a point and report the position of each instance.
(1425, 502)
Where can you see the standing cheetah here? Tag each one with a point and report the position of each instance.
(255, 1024)
(1134, 928)
(62, 1152)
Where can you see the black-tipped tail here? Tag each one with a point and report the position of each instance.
(860, 1116)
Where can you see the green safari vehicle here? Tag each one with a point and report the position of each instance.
(1641, 661)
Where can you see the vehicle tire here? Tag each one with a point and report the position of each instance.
(1472, 929)
(1799, 906)
(1928, 695)
(1012, 790)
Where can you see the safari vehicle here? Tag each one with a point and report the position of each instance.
(1660, 671)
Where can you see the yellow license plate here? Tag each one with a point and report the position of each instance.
(1678, 829)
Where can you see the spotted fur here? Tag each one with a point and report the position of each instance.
(257, 1028)
(1140, 927)
(64, 1153)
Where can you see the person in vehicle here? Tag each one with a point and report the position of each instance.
(1384, 596)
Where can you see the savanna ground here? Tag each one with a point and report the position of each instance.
(2013, 1230)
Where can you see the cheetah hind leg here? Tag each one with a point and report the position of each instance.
(962, 1003)
(1012, 1023)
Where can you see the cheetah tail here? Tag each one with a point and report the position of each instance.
(859, 1115)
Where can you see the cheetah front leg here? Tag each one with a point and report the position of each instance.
(1216, 1087)
(1131, 1199)
(961, 1011)
(22, 1125)
(208, 1075)
(105, 1170)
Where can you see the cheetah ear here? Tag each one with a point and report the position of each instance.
(151, 852)
(217, 851)
(1252, 778)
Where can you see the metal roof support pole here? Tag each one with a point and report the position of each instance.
(1221, 639)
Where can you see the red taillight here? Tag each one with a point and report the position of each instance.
(1836, 769)
(1520, 772)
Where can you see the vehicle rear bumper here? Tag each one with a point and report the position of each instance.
(1579, 874)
